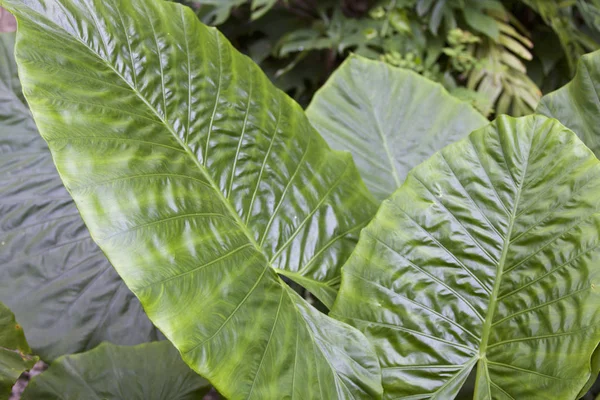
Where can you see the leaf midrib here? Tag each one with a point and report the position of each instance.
(386, 147)
(181, 143)
(487, 328)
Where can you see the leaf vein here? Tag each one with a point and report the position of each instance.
(163, 220)
(432, 277)
(196, 269)
(548, 303)
(416, 303)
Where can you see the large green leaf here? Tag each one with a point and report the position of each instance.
(577, 104)
(15, 354)
(200, 181)
(64, 291)
(390, 119)
(149, 371)
(488, 255)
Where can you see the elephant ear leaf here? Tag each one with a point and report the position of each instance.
(201, 182)
(577, 104)
(149, 371)
(15, 354)
(390, 119)
(487, 257)
(54, 278)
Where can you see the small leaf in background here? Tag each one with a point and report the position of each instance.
(481, 22)
(435, 19)
(487, 257)
(261, 7)
(216, 12)
(399, 20)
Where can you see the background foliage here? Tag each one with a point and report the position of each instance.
(498, 55)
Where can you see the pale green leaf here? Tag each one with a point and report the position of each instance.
(55, 279)
(487, 257)
(201, 182)
(390, 119)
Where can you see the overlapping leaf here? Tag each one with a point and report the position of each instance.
(389, 119)
(15, 354)
(149, 371)
(487, 256)
(201, 181)
(64, 291)
(577, 104)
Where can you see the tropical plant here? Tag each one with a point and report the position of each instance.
(208, 189)
(482, 278)
(392, 238)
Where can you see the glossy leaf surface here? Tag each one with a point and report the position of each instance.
(149, 371)
(390, 119)
(15, 354)
(56, 280)
(577, 104)
(487, 257)
(200, 181)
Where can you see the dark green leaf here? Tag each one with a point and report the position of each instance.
(201, 182)
(423, 6)
(15, 354)
(216, 12)
(261, 7)
(150, 371)
(436, 16)
(52, 275)
(488, 255)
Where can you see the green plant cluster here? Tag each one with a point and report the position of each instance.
(164, 209)
(498, 55)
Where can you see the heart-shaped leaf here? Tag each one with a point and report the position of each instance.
(390, 119)
(488, 255)
(201, 181)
